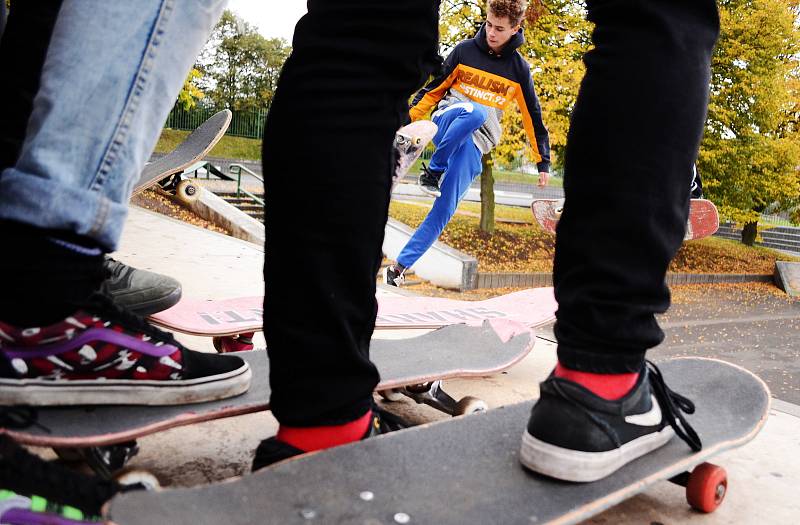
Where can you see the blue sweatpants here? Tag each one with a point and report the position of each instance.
(460, 159)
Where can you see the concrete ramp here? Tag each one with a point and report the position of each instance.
(787, 277)
(442, 265)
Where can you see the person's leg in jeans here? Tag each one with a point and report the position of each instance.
(21, 59)
(646, 87)
(111, 75)
(343, 93)
(459, 159)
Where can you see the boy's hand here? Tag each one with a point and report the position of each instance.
(543, 178)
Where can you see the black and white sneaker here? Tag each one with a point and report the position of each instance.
(429, 181)
(394, 276)
(574, 435)
(271, 451)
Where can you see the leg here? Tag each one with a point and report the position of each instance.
(111, 75)
(21, 59)
(346, 85)
(141, 291)
(458, 158)
(464, 165)
(618, 232)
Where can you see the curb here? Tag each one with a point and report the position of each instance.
(544, 279)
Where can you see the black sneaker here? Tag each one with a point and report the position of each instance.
(429, 181)
(574, 435)
(143, 293)
(69, 494)
(393, 276)
(271, 451)
(103, 354)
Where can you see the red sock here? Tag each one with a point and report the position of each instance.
(308, 439)
(607, 386)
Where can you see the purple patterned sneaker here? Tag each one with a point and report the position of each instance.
(103, 354)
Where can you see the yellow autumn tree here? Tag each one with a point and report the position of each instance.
(750, 155)
(190, 93)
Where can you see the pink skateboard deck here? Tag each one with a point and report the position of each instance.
(703, 217)
(229, 317)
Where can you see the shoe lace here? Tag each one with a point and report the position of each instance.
(673, 405)
(428, 174)
(26, 473)
(104, 305)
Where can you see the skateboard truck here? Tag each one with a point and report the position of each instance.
(105, 461)
(433, 395)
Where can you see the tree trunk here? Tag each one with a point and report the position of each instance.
(749, 233)
(487, 194)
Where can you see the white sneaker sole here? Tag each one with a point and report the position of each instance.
(580, 466)
(429, 192)
(41, 392)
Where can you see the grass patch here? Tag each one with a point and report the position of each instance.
(528, 248)
(228, 147)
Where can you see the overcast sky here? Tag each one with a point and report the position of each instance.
(274, 18)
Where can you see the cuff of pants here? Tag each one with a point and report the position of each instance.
(47, 204)
(601, 361)
(341, 416)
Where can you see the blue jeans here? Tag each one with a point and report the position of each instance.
(459, 159)
(111, 76)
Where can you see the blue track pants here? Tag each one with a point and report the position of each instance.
(459, 158)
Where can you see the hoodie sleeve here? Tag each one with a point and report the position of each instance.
(532, 120)
(427, 97)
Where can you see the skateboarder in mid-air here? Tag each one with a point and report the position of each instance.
(481, 77)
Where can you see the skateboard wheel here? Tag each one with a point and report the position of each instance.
(391, 395)
(187, 191)
(707, 486)
(469, 405)
(129, 477)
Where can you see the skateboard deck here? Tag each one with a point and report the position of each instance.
(532, 307)
(192, 149)
(450, 352)
(703, 217)
(409, 143)
(462, 470)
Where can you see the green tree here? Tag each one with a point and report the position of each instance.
(751, 150)
(240, 67)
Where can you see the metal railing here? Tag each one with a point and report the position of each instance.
(236, 170)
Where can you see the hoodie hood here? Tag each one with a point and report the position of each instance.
(512, 45)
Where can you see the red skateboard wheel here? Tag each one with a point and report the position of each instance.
(707, 486)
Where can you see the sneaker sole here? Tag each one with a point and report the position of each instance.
(580, 466)
(430, 192)
(40, 392)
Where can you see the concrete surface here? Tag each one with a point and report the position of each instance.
(760, 332)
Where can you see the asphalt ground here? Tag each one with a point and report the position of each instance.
(753, 325)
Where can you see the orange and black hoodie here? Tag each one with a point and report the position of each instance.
(473, 72)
